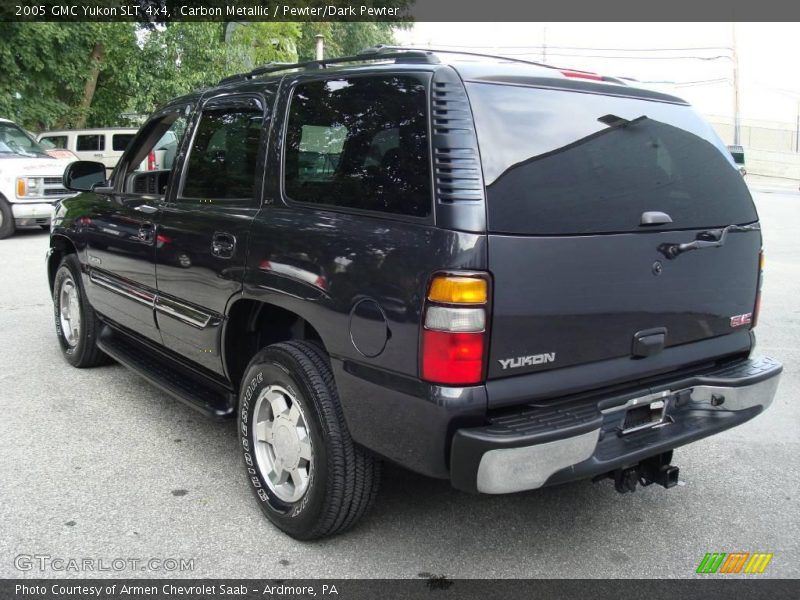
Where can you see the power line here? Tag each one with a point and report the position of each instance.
(538, 48)
(687, 83)
(717, 57)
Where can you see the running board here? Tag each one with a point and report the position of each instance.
(193, 389)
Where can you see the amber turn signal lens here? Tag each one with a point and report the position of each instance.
(21, 188)
(458, 290)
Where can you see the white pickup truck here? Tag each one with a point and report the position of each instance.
(30, 180)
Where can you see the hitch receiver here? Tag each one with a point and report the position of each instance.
(651, 470)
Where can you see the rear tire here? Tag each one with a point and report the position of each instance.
(309, 477)
(77, 325)
(7, 225)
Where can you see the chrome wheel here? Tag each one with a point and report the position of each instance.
(70, 312)
(283, 443)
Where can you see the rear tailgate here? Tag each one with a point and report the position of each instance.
(578, 277)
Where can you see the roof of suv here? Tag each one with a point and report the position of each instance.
(470, 67)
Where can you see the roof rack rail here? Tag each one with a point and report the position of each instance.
(401, 55)
(576, 72)
(383, 48)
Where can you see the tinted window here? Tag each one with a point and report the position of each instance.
(120, 141)
(560, 162)
(223, 157)
(87, 143)
(360, 143)
(54, 141)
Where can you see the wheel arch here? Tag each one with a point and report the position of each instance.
(60, 246)
(255, 324)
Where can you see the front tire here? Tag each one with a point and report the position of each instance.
(309, 478)
(7, 225)
(77, 326)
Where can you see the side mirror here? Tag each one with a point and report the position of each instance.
(84, 175)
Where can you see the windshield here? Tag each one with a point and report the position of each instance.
(560, 162)
(15, 141)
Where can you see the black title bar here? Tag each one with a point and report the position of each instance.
(397, 10)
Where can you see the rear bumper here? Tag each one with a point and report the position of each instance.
(544, 444)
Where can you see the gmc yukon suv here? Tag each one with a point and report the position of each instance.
(488, 271)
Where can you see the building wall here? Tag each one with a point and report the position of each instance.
(770, 146)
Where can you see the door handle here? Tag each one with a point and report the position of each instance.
(223, 244)
(654, 217)
(147, 209)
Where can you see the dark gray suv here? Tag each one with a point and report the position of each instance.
(490, 271)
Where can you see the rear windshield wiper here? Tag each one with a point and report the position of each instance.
(713, 238)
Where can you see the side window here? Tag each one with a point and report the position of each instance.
(89, 143)
(222, 159)
(55, 141)
(360, 143)
(148, 161)
(121, 141)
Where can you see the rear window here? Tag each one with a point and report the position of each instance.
(120, 141)
(558, 162)
(88, 143)
(360, 143)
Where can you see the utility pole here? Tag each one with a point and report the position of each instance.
(736, 123)
(544, 45)
(320, 48)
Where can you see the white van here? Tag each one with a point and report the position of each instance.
(30, 180)
(104, 145)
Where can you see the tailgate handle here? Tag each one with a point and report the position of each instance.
(649, 342)
(654, 217)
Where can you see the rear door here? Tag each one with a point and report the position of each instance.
(202, 237)
(587, 193)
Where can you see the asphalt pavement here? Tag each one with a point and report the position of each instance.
(98, 467)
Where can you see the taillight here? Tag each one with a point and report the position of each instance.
(453, 349)
(757, 307)
(151, 161)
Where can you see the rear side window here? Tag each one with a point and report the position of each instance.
(121, 141)
(88, 143)
(55, 141)
(558, 162)
(360, 143)
(222, 160)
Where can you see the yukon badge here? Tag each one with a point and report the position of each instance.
(527, 361)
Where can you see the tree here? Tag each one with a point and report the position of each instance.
(53, 70)
(71, 75)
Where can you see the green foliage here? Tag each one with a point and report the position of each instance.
(343, 38)
(47, 65)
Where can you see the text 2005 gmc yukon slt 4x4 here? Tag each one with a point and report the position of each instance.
(497, 273)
